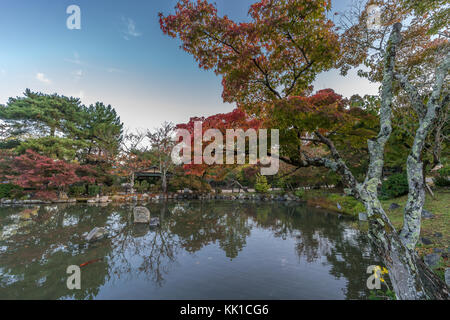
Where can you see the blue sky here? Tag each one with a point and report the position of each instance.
(120, 57)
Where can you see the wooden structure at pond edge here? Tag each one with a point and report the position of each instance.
(152, 172)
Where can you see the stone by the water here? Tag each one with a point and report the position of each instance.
(427, 214)
(154, 222)
(432, 260)
(141, 215)
(178, 209)
(394, 206)
(96, 234)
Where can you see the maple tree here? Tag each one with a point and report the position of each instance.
(267, 66)
(43, 174)
(162, 144)
(411, 58)
(132, 157)
(276, 55)
(236, 119)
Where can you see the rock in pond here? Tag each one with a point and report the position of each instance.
(141, 215)
(427, 214)
(154, 222)
(96, 234)
(432, 260)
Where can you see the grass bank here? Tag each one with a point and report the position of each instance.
(437, 229)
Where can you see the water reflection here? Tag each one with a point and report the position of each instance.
(201, 250)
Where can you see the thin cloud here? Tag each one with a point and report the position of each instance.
(42, 78)
(130, 29)
(75, 59)
(77, 74)
(114, 70)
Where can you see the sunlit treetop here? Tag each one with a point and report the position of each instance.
(365, 40)
(275, 55)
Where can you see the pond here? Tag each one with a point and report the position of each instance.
(201, 250)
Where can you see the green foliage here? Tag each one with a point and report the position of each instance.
(111, 190)
(382, 295)
(142, 186)
(349, 204)
(53, 147)
(101, 129)
(442, 179)
(299, 193)
(9, 143)
(61, 127)
(42, 114)
(93, 190)
(395, 186)
(77, 190)
(10, 191)
(261, 184)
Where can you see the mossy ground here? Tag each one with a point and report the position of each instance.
(329, 199)
(439, 206)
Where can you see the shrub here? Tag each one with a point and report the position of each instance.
(9, 190)
(299, 193)
(77, 190)
(261, 184)
(395, 186)
(144, 186)
(114, 189)
(93, 190)
(442, 179)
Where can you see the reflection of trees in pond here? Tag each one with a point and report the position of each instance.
(35, 262)
(321, 235)
(155, 248)
(201, 224)
(40, 252)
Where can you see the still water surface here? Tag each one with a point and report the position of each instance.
(202, 250)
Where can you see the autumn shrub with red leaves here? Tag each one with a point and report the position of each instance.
(42, 175)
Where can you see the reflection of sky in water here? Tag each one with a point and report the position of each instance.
(214, 250)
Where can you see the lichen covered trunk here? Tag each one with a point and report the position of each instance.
(410, 277)
(414, 205)
(416, 196)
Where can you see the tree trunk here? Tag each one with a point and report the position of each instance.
(164, 181)
(416, 196)
(410, 277)
(132, 182)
